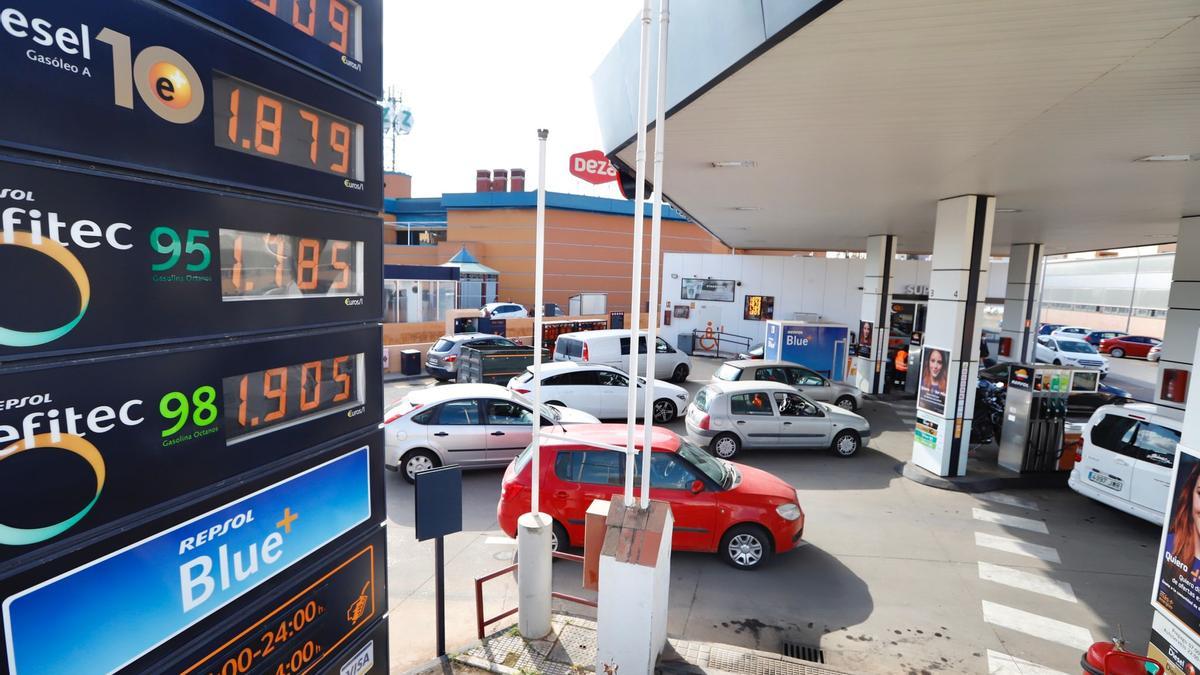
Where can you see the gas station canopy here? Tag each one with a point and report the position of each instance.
(796, 124)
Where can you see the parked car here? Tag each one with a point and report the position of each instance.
(441, 362)
(1129, 345)
(1097, 337)
(611, 348)
(729, 416)
(1126, 459)
(805, 380)
(505, 310)
(1079, 403)
(1155, 352)
(1048, 328)
(600, 390)
(1074, 332)
(743, 514)
(474, 425)
(755, 352)
(1069, 352)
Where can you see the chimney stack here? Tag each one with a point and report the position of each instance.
(499, 180)
(483, 180)
(518, 180)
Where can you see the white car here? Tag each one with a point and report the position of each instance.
(600, 390)
(611, 348)
(474, 425)
(505, 310)
(1126, 460)
(1071, 332)
(1069, 352)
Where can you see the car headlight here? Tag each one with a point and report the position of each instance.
(788, 511)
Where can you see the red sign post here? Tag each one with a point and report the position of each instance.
(593, 167)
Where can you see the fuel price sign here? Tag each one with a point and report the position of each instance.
(102, 261)
(152, 428)
(340, 38)
(153, 89)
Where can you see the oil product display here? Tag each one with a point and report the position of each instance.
(1035, 415)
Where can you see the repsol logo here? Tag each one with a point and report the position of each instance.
(51, 426)
(16, 195)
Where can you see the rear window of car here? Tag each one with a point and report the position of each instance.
(728, 372)
(598, 467)
(1157, 443)
(625, 345)
(442, 345)
(568, 347)
(1114, 433)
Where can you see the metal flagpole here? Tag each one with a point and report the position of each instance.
(660, 132)
(639, 216)
(538, 310)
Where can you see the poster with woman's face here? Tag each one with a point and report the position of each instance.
(931, 395)
(1177, 584)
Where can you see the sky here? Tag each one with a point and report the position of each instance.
(482, 76)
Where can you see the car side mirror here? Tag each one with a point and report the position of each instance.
(697, 487)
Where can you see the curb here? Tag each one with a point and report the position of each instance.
(973, 484)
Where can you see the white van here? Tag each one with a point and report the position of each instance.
(1126, 460)
(611, 348)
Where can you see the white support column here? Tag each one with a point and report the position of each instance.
(1183, 310)
(962, 242)
(876, 299)
(1020, 302)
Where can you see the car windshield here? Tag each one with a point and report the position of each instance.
(727, 372)
(442, 345)
(719, 471)
(547, 411)
(1076, 347)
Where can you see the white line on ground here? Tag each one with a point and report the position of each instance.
(1017, 546)
(1001, 498)
(500, 541)
(1010, 521)
(1037, 625)
(1003, 664)
(1026, 581)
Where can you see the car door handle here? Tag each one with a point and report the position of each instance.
(1120, 462)
(787, 423)
(561, 495)
(497, 433)
(741, 421)
(442, 433)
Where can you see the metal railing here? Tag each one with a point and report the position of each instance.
(718, 343)
(482, 622)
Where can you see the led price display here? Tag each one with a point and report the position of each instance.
(266, 266)
(336, 23)
(258, 122)
(287, 395)
(152, 89)
(153, 427)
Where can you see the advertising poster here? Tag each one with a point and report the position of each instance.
(866, 331)
(717, 290)
(1177, 582)
(1178, 654)
(931, 395)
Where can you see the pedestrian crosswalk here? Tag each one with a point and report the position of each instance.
(1003, 664)
(1026, 581)
(1017, 546)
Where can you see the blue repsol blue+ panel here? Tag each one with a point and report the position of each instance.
(173, 579)
(341, 38)
(95, 444)
(819, 347)
(139, 85)
(104, 262)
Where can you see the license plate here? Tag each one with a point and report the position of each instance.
(1110, 482)
(431, 361)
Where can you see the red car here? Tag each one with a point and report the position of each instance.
(1128, 345)
(743, 514)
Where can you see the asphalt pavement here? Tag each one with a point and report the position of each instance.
(895, 577)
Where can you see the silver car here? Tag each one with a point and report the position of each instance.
(441, 362)
(473, 425)
(729, 416)
(804, 380)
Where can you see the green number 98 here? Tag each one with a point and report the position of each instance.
(176, 407)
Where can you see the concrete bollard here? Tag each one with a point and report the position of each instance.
(534, 531)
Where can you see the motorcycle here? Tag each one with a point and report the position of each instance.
(989, 412)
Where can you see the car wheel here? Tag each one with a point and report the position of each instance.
(1058, 362)
(559, 541)
(680, 374)
(746, 547)
(848, 403)
(664, 411)
(417, 461)
(1118, 353)
(726, 446)
(846, 443)
(440, 379)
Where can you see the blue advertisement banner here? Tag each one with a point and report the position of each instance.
(182, 575)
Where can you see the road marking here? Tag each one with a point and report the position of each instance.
(1037, 625)
(1010, 521)
(1001, 498)
(1003, 664)
(1026, 581)
(1017, 546)
(500, 541)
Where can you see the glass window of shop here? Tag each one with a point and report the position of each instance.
(417, 300)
